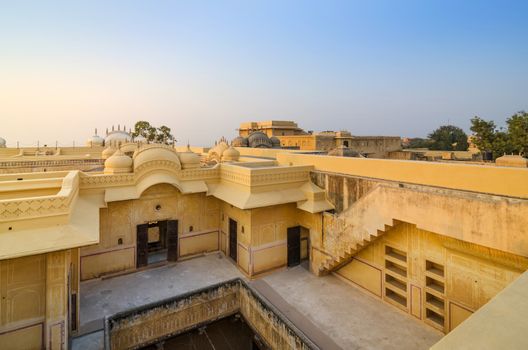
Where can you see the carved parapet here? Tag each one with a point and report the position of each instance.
(26, 208)
(149, 324)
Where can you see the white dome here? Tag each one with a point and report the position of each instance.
(95, 140)
(2, 143)
(140, 139)
(117, 137)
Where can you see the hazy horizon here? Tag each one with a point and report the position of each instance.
(201, 68)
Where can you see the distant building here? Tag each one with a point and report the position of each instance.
(293, 137)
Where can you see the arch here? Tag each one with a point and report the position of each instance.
(155, 178)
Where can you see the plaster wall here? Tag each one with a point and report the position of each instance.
(472, 275)
(34, 301)
(198, 222)
(475, 178)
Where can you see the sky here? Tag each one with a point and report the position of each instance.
(202, 67)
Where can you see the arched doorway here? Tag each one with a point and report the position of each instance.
(157, 242)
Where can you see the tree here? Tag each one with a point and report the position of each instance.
(488, 138)
(449, 138)
(518, 132)
(143, 128)
(484, 133)
(418, 142)
(163, 135)
(151, 133)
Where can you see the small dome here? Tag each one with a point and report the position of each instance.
(129, 148)
(2, 143)
(107, 152)
(230, 155)
(95, 140)
(189, 159)
(240, 142)
(258, 139)
(275, 142)
(221, 147)
(215, 153)
(156, 153)
(118, 163)
(140, 139)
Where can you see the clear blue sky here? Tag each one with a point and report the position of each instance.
(202, 67)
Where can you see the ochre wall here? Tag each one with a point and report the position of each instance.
(243, 219)
(33, 301)
(476, 178)
(472, 274)
(23, 302)
(120, 219)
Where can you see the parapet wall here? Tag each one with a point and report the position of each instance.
(502, 181)
(154, 322)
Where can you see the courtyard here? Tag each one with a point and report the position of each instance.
(329, 311)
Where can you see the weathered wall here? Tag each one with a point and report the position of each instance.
(149, 325)
(33, 301)
(118, 224)
(243, 219)
(23, 302)
(502, 181)
(269, 227)
(472, 274)
(152, 323)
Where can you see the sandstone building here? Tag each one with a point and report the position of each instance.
(288, 135)
(437, 241)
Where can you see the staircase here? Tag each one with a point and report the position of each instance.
(349, 249)
(353, 230)
(487, 220)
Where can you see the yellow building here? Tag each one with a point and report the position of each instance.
(287, 134)
(435, 240)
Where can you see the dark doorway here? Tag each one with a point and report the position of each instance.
(294, 246)
(345, 143)
(172, 240)
(157, 242)
(233, 242)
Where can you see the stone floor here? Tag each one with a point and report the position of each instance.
(350, 317)
(106, 297)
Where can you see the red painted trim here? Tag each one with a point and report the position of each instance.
(24, 327)
(194, 234)
(411, 301)
(100, 253)
(449, 309)
(110, 250)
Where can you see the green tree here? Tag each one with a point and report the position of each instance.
(484, 133)
(143, 128)
(151, 133)
(449, 138)
(163, 135)
(501, 144)
(518, 132)
(418, 142)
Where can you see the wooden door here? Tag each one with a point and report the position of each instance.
(294, 246)
(172, 240)
(142, 245)
(233, 242)
(163, 234)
